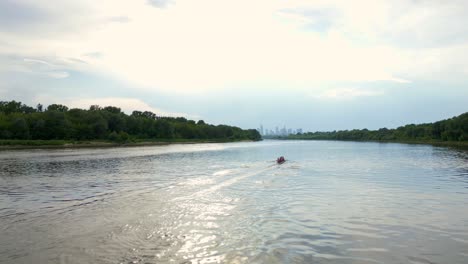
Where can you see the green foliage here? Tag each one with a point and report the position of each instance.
(121, 137)
(19, 128)
(15, 107)
(453, 129)
(58, 122)
(57, 107)
(16, 142)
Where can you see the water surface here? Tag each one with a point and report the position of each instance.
(331, 202)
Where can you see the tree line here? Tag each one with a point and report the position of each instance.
(58, 122)
(453, 129)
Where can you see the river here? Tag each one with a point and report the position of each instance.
(331, 202)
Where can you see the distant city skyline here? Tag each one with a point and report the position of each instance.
(284, 131)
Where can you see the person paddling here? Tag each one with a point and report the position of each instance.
(280, 160)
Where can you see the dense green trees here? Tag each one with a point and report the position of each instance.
(19, 121)
(453, 129)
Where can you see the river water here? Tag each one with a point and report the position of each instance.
(331, 202)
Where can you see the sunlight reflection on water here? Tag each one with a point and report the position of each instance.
(331, 202)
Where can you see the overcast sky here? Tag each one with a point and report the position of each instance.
(316, 65)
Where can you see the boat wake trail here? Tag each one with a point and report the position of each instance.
(226, 183)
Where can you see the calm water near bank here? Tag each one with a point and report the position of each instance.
(331, 202)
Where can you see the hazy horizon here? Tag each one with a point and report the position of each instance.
(315, 65)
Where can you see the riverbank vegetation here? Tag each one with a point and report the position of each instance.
(453, 131)
(58, 125)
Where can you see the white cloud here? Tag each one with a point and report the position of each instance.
(160, 3)
(347, 93)
(212, 44)
(44, 68)
(32, 67)
(58, 74)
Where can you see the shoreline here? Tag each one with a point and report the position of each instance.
(59, 144)
(63, 144)
(454, 144)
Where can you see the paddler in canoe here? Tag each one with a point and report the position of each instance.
(280, 160)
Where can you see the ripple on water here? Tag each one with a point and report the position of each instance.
(332, 202)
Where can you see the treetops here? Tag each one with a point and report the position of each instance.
(452, 129)
(19, 121)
